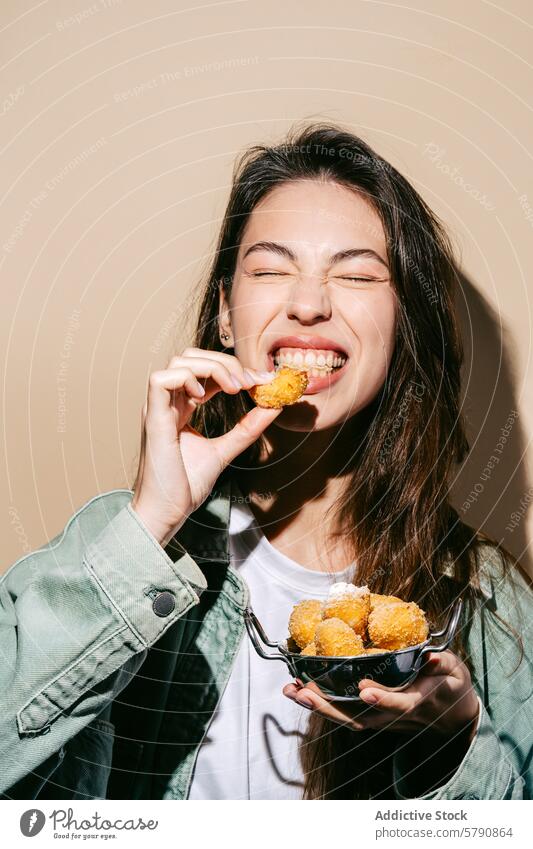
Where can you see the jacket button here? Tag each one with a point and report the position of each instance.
(163, 604)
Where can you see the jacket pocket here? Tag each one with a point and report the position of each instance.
(86, 765)
(70, 686)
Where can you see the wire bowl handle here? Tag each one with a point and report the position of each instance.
(254, 628)
(448, 631)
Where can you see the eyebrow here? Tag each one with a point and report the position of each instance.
(284, 251)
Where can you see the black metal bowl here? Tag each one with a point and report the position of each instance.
(338, 677)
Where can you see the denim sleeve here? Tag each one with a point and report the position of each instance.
(76, 620)
(498, 763)
(486, 772)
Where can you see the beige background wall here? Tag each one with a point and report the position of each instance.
(120, 122)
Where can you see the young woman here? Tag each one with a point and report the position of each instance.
(328, 258)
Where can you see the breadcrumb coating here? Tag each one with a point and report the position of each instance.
(397, 625)
(334, 638)
(376, 598)
(287, 387)
(303, 621)
(351, 609)
(353, 621)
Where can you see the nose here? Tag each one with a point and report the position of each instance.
(309, 300)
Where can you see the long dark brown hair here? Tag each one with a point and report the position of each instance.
(395, 510)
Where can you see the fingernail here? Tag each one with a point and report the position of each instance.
(265, 375)
(305, 702)
(367, 697)
(200, 389)
(236, 382)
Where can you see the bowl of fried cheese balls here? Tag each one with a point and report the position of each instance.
(354, 634)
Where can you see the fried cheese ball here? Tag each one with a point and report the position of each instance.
(292, 645)
(334, 638)
(376, 598)
(310, 649)
(287, 387)
(397, 625)
(303, 621)
(349, 603)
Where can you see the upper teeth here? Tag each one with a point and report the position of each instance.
(308, 358)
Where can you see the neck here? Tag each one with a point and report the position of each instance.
(298, 465)
(298, 477)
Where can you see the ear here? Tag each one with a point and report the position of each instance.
(224, 320)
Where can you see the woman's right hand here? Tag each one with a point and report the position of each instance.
(178, 466)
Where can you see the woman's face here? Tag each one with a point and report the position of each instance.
(312, 288)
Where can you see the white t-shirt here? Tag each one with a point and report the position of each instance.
(250, 750)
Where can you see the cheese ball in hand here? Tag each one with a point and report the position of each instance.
(397, 625)
(334, 638)
(349, 603)
(303, 620)
(287, 387)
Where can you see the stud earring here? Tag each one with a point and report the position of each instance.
(225, 336)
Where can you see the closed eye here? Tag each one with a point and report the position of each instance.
(360, 279)
(339, 277)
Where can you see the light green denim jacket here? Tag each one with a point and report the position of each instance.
(106, 689)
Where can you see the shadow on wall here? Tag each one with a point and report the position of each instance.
(491, 491)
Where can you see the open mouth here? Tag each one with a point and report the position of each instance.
(318, 362)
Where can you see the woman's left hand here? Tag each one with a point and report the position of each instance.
(441, 699)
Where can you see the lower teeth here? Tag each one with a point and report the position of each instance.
(318, 371)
